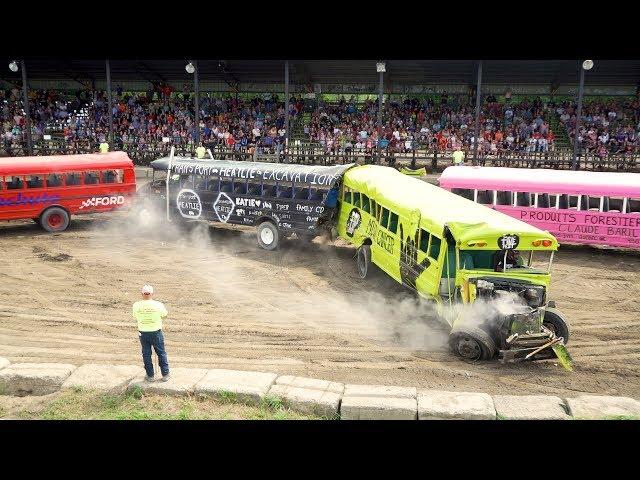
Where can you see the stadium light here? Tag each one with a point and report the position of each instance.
(587, 64)
(190, 68)
(13, 66)
(381, 67)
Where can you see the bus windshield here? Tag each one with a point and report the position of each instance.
(501, 260)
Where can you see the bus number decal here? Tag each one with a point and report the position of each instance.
(189, 204)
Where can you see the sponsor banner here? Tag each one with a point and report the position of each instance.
(20, 199)
(102, 201)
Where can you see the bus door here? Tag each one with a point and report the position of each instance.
(428, 256)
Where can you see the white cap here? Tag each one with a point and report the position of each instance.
(147, 290)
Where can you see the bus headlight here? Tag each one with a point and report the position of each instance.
(533, 297)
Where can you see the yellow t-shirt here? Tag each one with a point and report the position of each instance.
(104, 147)
(200, 151)
(458, 157)
(149, 315)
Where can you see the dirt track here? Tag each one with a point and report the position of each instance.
(301, 309)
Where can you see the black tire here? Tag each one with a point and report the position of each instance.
(554, 321)
(268, 236)
(54, 219)
(472, 343)
(363, 260)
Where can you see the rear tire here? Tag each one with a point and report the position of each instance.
(268, 236)
(363, 260)
(54, 219)
(472, 343)
(554, 321)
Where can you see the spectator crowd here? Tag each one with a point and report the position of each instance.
(161, 116)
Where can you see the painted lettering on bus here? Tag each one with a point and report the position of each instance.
(385, 240)
(20, 199)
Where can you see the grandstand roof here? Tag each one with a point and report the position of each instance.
(561, 72)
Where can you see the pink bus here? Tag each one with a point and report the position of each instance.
(594, 208)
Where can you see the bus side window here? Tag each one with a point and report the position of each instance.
(543, 200)
(365, 203)
(434, 249)
(13, 183)
(613, 204)
(633, 205)
(485, 197)
(214, 184)
(584, 202)
(347, 195)
(504, 198)
(34, 181)
(112, 176)
(424, 240)
(523, 199)
(594, 203)
(255, 189)
(463, 192)
(186, 181)
(384, 217)
(91, 178)
(226, 186)
(393, 223)
(356, 199)
(240, 187)
(74, 179)
(573, 202)
(200, 182)
(563, 203)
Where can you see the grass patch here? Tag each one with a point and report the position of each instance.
(81, 404)
(226, 396)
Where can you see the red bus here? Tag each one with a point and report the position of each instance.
(50, 189)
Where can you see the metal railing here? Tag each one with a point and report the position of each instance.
(422, 156)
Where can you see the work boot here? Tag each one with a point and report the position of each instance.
(148, 379)
(165, 377)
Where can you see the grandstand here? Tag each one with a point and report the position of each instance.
(526, 115)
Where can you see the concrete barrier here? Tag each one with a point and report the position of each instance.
(249, 387)
(22, 379)
(443, 405)
(111, 378)
(181, 382)
(313, 396)
(308, 395)
(593, 407)
(530, 407)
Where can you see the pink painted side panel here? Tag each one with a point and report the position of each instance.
(573, 226)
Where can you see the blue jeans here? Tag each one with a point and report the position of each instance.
(155, 339)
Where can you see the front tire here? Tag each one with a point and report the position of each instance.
(363, 260)
(554, 321)
(472, 343)
(54, 219)
(268, 236)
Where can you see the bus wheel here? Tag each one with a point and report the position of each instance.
(268, 236)
(363, 260)
(555, 322)
(54, 219)
(472, 343)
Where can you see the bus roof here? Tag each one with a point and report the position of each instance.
(542, 181)
(465, 219)
(58, 163)
(312, 174)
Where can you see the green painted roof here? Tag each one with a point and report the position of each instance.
(438, 208)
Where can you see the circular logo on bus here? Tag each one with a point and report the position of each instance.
(189, 204)
(353, 222)
(508, 242)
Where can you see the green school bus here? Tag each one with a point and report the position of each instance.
(474, 262)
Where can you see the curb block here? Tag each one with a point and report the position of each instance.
(443, 405)
(111, 378)
(249, 387)
(309, 395)
(21, 379)
(181, 383)
(603, 407)
(530, 407)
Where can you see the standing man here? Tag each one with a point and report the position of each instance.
(458, 156)
(149, 314)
